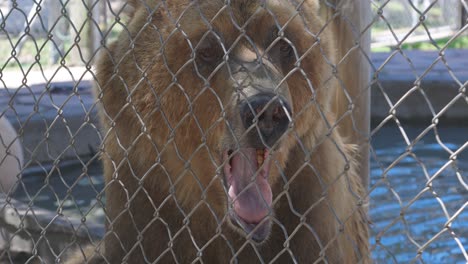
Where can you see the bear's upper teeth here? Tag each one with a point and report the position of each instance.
(260, 157)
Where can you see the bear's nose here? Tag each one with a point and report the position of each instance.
(269, 113)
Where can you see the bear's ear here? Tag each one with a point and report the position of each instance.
(317, 7)
(132, 5)
(136, 3)
(323, 8)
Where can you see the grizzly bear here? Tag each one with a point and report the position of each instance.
(220, 140)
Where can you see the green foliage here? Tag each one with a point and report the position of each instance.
(459, 43)
(35, 52)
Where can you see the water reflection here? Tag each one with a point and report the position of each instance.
(413, 199)
(406, 210)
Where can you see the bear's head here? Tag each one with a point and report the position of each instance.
(217, 96)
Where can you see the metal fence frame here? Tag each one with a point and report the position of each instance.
(39, 231)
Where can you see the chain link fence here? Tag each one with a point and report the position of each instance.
(202, 142)
(416, 21)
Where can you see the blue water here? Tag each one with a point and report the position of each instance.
(405, 210)
(70, 188)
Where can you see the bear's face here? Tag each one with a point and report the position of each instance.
(235, 88)
(258, 112)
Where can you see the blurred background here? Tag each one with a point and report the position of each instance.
(51, 178)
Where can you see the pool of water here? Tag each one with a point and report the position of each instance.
(416, 195)
(70, 188)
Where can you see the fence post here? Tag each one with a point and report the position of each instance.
(353, 40)
(58, 27)
(464, 13)
(96, 22)
(79, 33)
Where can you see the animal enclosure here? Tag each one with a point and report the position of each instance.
(397, 119)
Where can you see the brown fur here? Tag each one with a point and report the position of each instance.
(164, 134)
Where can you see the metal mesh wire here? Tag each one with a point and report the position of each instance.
(55, 202)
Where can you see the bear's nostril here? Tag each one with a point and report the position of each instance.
(278, 113)
(248, 118)
(267, 113)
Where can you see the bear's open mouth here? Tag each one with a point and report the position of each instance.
(250, 196)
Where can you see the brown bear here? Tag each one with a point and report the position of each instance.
(220, 141)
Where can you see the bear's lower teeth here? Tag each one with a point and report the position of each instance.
(260, 157)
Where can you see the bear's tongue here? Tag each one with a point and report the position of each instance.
(252, 198)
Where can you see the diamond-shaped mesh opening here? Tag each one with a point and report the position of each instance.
(237, 131)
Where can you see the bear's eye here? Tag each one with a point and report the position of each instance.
(285, 48)
(209, 50)
(281, 50)
(207, 54)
